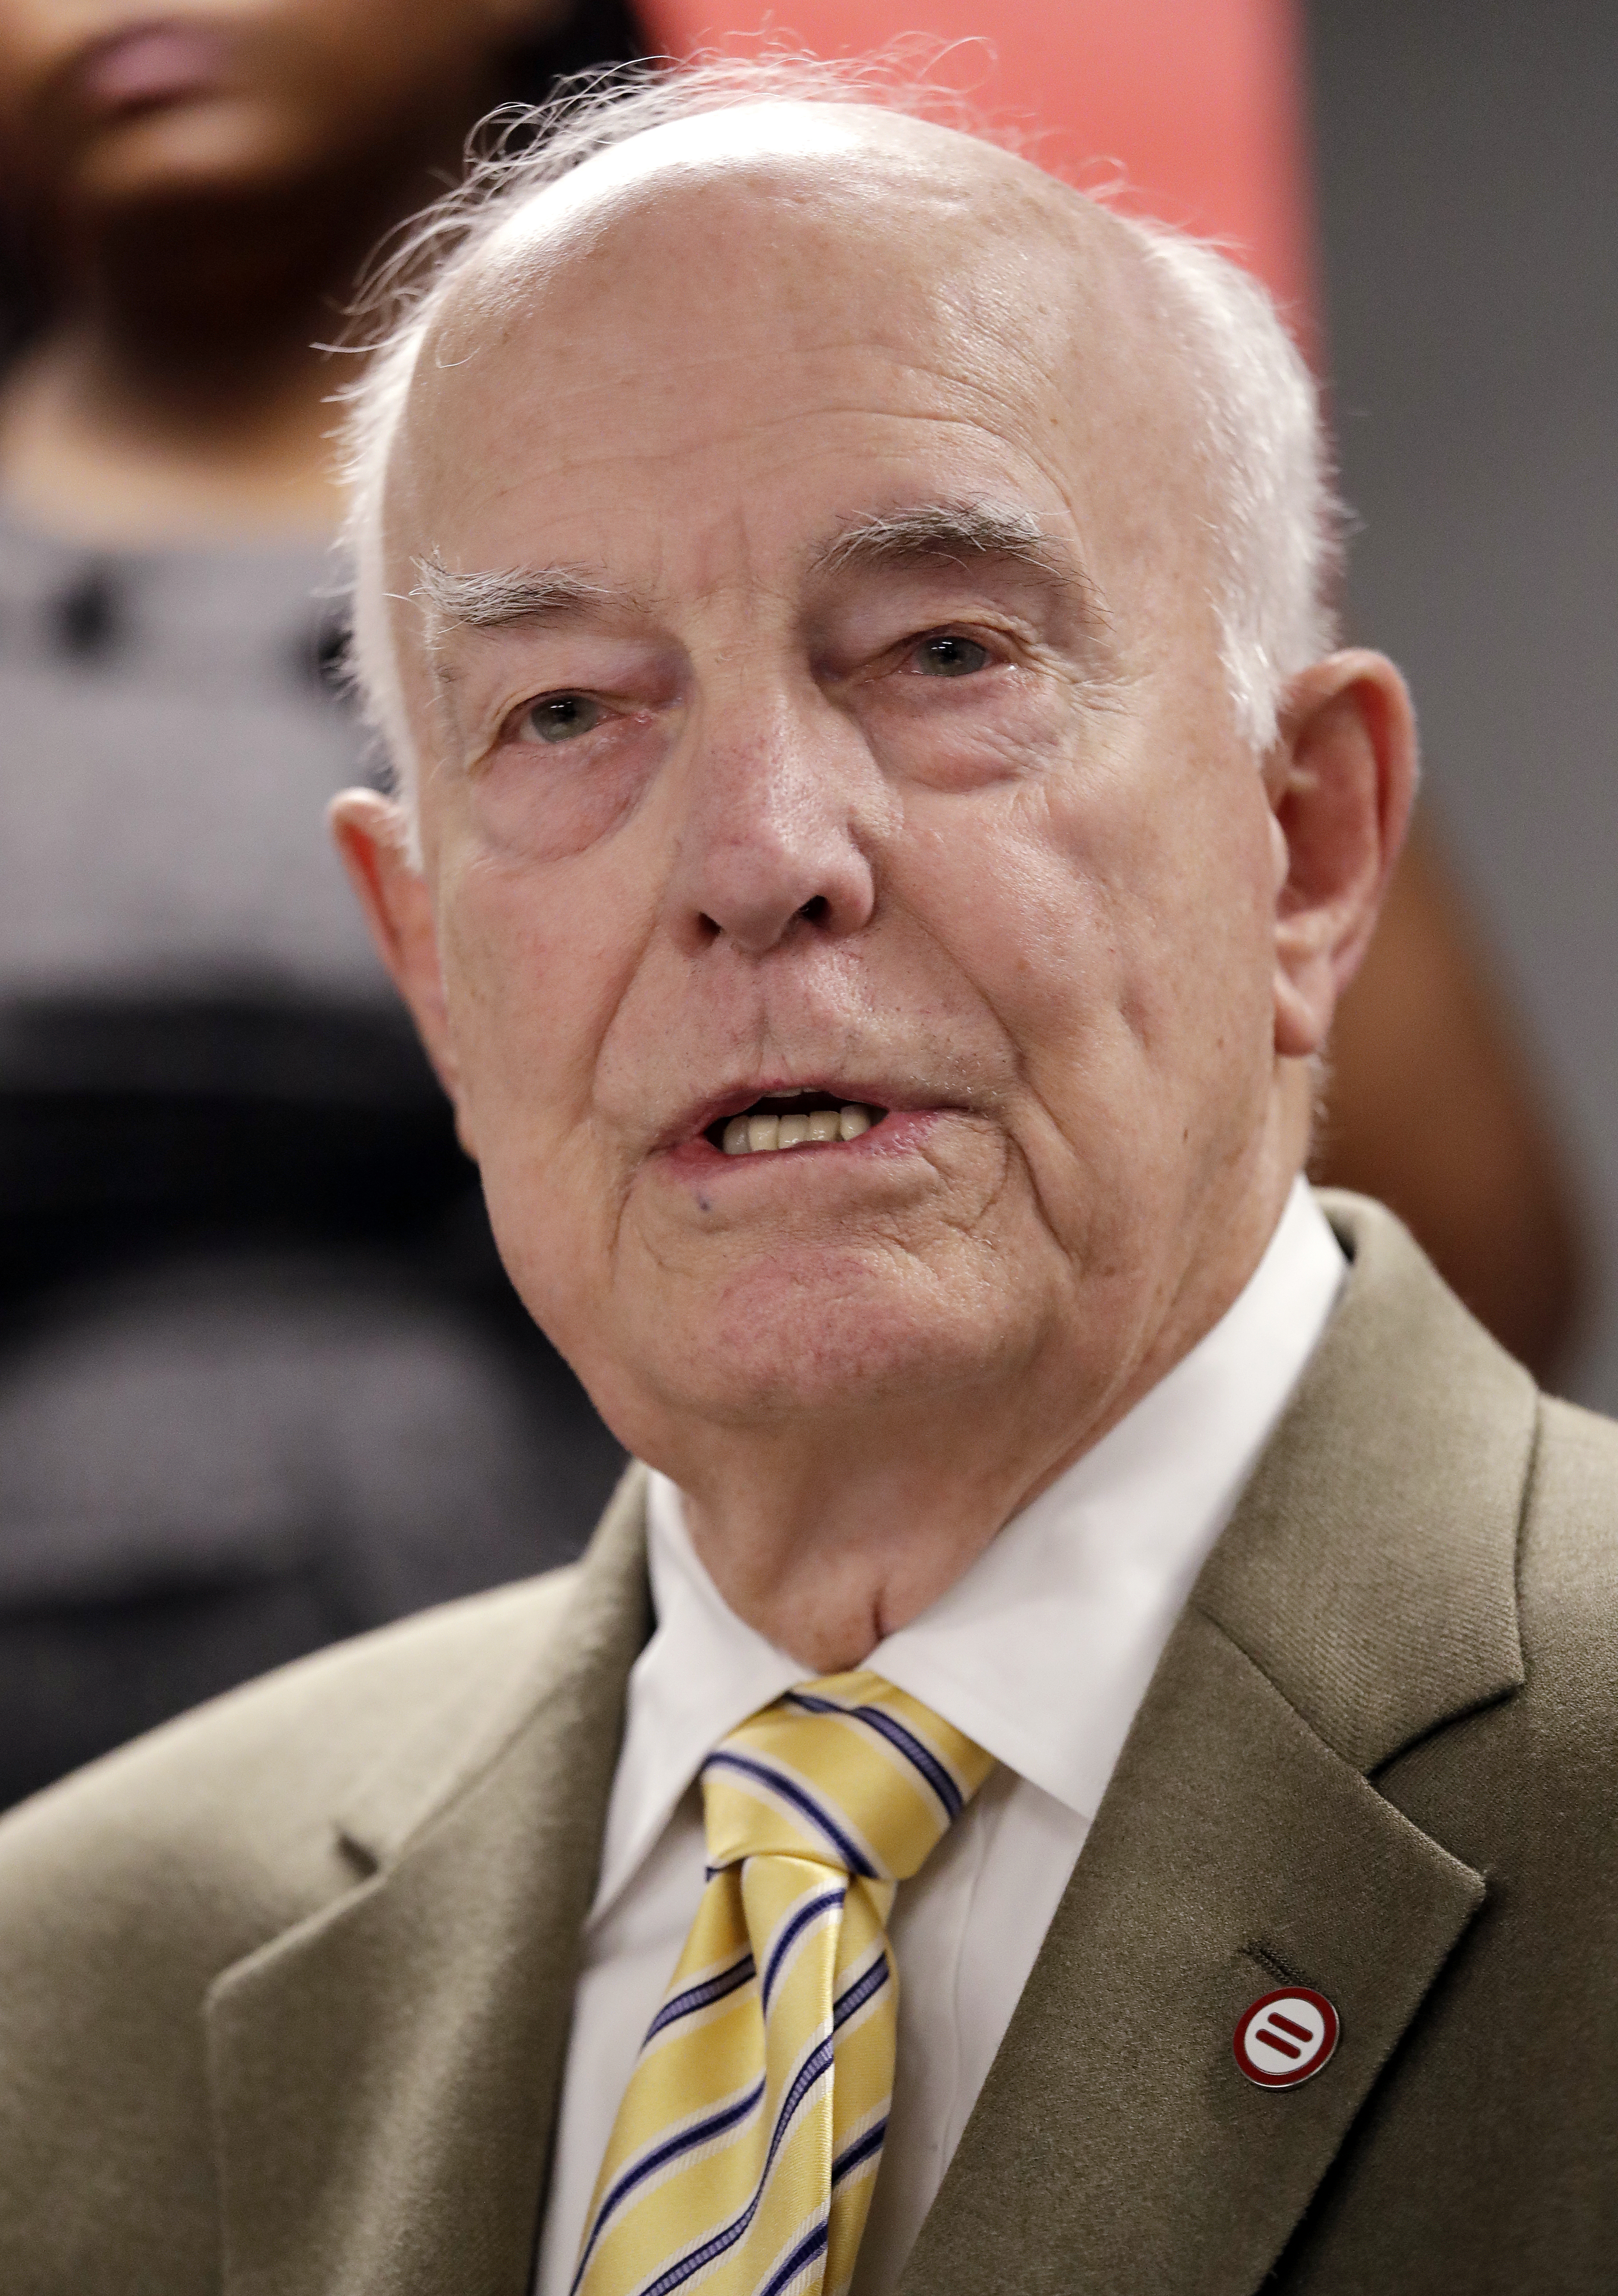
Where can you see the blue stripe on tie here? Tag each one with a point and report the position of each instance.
(791, 1790)
(686, 2268)
(919, 1756)
(796, 1923)
(813, 2070)
(808, 2249)
(861, 2149)
(701, 1997)
(685, 2141)
(863, 1989)
(922, 1756)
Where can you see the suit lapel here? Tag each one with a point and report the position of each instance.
(1116, 2145)
(1362, 1595)
(385, 2075)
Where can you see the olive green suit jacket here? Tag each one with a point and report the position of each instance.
(285, 1989)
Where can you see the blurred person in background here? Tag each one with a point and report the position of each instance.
(262, 1381)
(1434, 1105)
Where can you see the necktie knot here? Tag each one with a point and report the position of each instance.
(845, 1771)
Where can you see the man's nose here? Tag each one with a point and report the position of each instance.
(781, 818)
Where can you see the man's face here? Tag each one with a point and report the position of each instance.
(862, 744)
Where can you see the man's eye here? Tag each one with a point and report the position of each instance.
(951, 657)
(561, 718)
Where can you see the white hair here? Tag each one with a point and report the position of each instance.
(1276, 517)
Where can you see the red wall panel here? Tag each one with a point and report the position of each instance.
(1199, 102)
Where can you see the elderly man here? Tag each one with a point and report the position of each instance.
(1083, 1759)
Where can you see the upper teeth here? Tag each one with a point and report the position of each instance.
(747, 1136)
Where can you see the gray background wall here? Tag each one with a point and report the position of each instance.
(1467, 170)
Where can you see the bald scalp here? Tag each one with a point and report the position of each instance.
(1225, 415)
(861, 150)
(828, 169)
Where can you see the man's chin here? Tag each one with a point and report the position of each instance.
(785, 1347)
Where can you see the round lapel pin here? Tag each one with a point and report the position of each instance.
(1285, 2037)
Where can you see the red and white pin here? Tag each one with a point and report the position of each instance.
(1286, 2037)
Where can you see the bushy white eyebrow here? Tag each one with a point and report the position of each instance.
(498, 598)
(966, 534)
(957, 530)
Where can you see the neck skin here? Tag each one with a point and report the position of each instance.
(827, 1539)
(178, 393)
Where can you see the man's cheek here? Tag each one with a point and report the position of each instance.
(530, 803)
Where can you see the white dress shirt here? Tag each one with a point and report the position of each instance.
(1041, 1653)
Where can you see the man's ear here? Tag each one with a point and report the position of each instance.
(372, 838)
(1340, 781)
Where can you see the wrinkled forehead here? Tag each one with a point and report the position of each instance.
(806, 252)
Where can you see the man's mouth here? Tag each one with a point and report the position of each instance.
(792, 1119)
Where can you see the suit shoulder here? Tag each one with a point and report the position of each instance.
(251, 1782)
(129, 1893)
(1580, 1448)
(1569, 1558)
(126, 1890)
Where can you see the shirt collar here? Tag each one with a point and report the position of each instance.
(1042, 1651)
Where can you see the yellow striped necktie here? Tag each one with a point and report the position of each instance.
(746, 2149)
